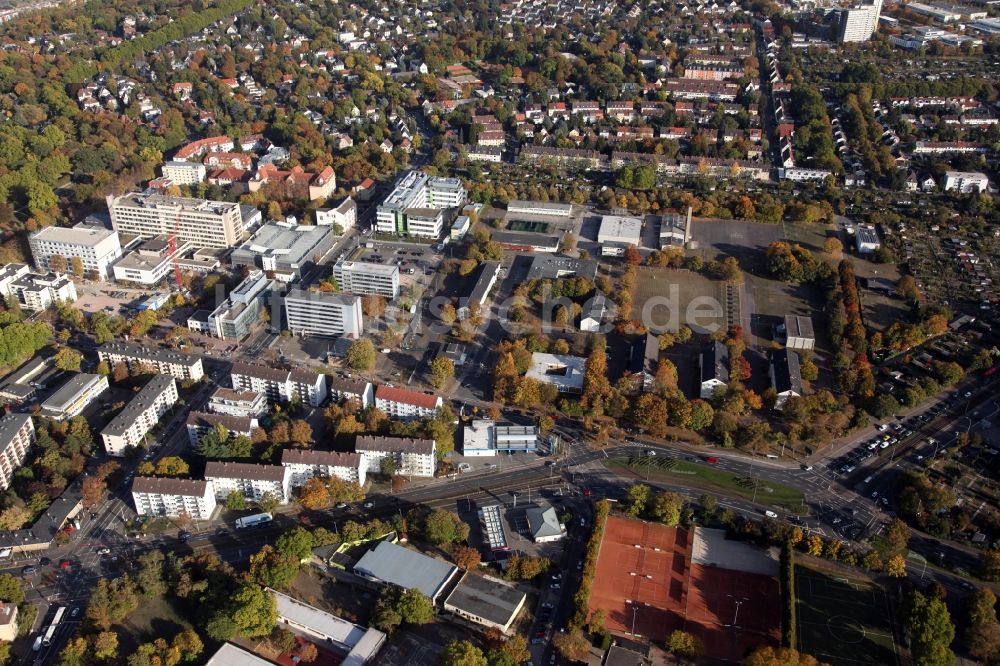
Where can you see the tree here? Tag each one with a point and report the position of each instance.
(896, 538)
(929, 627)
(462, 653)
(272, 568)
(172, 466)
(466, 557)
(74, 653)
(832, 245)
(112, 601)
(235, 501)
(685, 645)
(666, 508)
(151, 577)
(441, 527)
(632, 256)
(300, 433)
(442, 369)
(92, 491)
(308, 653)
(989, 565)
(105, 645)
(11, 591)
(636, 499)
(361, 355)
(296, 542)
(268, 502)
(896, 566)
(414, 607)
(68, 359)
(572, 645)
(772, 656)
(253, 611)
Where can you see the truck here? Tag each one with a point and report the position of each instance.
(49, 633)
(256, 520)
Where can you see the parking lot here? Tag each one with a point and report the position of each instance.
(417, 263)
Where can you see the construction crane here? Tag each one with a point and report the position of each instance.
(172, 249)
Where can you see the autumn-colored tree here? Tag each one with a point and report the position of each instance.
(308, 653)
(632, 256)
(814, 545)
(466, 557)
(172, 466)
(896, 567)
(572, 645)
(301, 433)
(772, 656)
(314, 494)
(92, 491)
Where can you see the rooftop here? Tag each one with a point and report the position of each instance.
(68, 392)
(313, 457)
(487, 598)
(543, 522)
(400, 444)
(290, 244)
(139, 403)
(233, 655)
(229, 422)
(548, 267)
(407, 397)
(361, 643)
(215, 469)
(406, 568)
(133, 350)
(564, 371)
(79, 235)
(157, 486)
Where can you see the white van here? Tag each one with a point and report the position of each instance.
(770, 514)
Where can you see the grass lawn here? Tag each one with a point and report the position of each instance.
(843, 621)
(694, 475)
(154, 618)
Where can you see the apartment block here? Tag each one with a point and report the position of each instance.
(162, 361)
(35, 291)
(343, 389)
(412, 457)
(17, 434)
(305, 464)
(344, 215)
(139, 416)
(362, 277)
(151, 262)
(200, 424)
(253, 481)
(319, 314)
(280, 385)
(98, 248)
(181, 172)
(201, 222)
(237, 403)
(172, 497)
(404, 404)
(416, 196)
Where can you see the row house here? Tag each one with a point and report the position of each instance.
(623, 112)
(305, 464)
(316, 185)
(568, 156)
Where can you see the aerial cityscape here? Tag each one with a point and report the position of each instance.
(499, 332)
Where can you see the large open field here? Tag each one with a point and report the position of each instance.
(844, 622)
(666, 298)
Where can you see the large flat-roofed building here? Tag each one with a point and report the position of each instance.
(280, 385)
(411, 457)
(251, 480)
(357, 645)
(172, 497)
(521, 207)
(246, 404)
(798, 332)
(404, 404)
(417, 195)
(305, 464)
(965, 181)
(544, 267)
(17, 434)
(200, 424)
(97, 247)
(527, 241)
(234, 655)
(21, 385)
(285, 248)
(182, 172)
(484, 437)
(201, 222)
(395, 565)
(152, 261)
(485, 601)
(363, 277)
(562, 371)
(619, 231)
(139, 416)
(72, 398)
(319, 314)
(164, 361)
(243, 308)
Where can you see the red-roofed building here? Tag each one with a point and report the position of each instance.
(196, 149)
(220, 160)
(363, 190)
(232, 84)
(318, 185)
(406, 404)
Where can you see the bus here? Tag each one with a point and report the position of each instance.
(58, 617)
(256, 520)
(49, 633)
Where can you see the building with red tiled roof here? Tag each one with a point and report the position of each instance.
(196, 149)
(406, 404)
(318, 185)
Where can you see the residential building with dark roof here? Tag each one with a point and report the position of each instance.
(200, 424)
(786, 377)
(247, 404)
(251, 480)
(164, 361)
(343, 389)
(17, 434)
(306, 464)
(486, 601)
(143, 411)
(278, 384)
(714, 363)
(172, 497)
(412, 457)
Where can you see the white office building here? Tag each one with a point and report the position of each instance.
(147, 359)
(362, 277)
(152, 261)
(320, 314)
(139, 416)
(280, 385)
(251, 480)
(97, 247)
(344, 215)
(184, 173)
(858, 24)
(17, 434)
(400, 403)
(201, 222)
(412, 457)
(416, 196)
(305, 464)
(965, 181)
(173, 497)
(247, 404)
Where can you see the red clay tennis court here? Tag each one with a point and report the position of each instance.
(647, 584)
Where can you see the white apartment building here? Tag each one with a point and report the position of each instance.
(280, 385)
(343, 389)
(415, 195)
(405, 404)
(201, 222)
(33, 291)
(141, 413)
(413, 457)
(172, 497)
(247, 404)
(17, 434)
(320, 314)
(181, 172)
(858, 24)
(249, 479)
(97, 247)
(345, 215)
(362, 277)
(152, 261)
(163, 361)
(305, 464)
(965, 181)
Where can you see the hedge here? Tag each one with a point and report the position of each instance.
(789, 627)
(582, 597)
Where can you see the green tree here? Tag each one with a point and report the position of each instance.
(268, 502)
(441, 527)
(929, 627)
(11, 591)
(361, 355)
(684, 645)
(105, 646)
(636, 499)
(151, 577)
(253, 611)
(462, 653)
(235, 501)
(666, 508)
(296, 542)
(68, 359)
(415, 607)
(442, 369)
